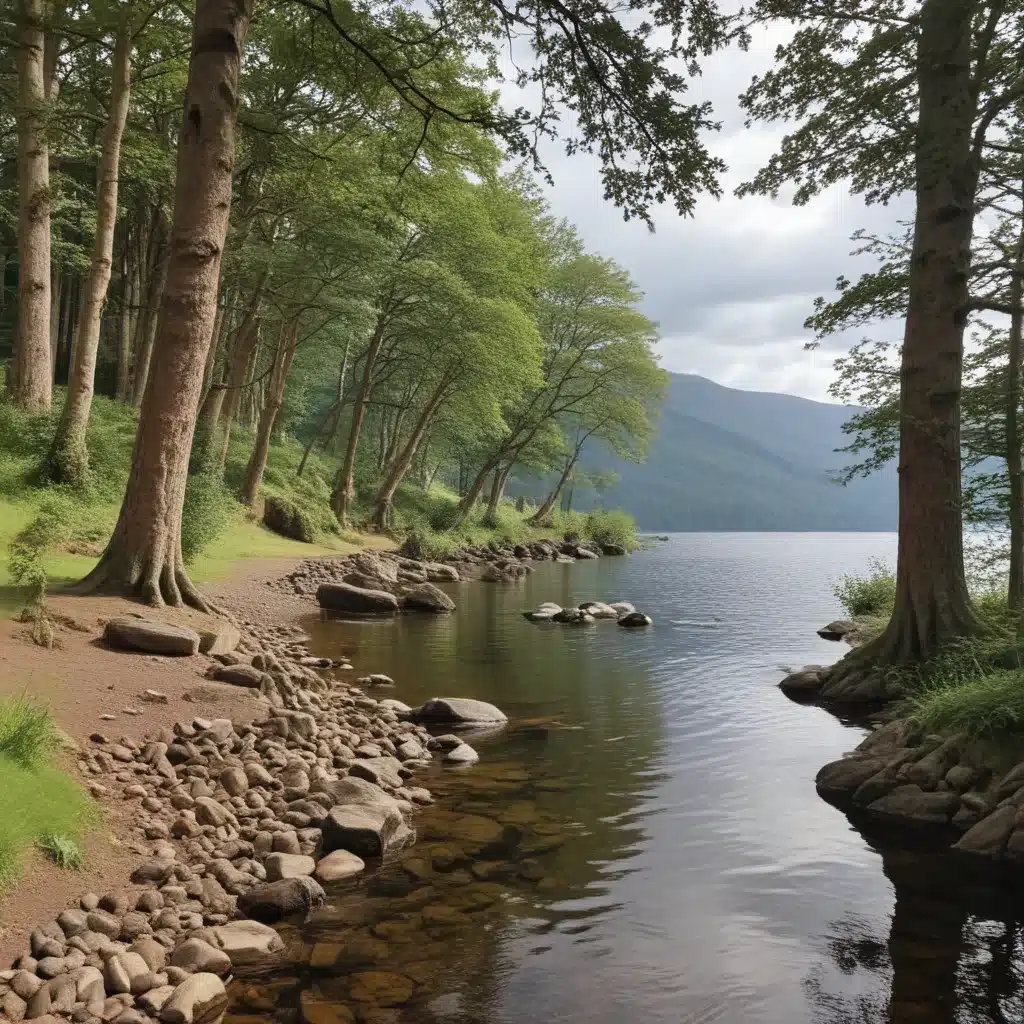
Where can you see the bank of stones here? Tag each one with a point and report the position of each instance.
(237, 827)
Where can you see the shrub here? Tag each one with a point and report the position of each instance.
(28, 736)
(873, 594)
(286, 518)
(64, 852)
(570, 526)
(209, 510)
(988, 706)
(612, 527)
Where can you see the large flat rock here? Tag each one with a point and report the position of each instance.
(343, 597)
(128, 633)
(459, 712)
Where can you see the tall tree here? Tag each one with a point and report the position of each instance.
(32, 372)
(144, 554)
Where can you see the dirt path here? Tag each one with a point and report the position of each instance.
(81, 680)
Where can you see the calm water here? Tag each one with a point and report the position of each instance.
(644, 843)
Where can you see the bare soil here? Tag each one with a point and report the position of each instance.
(81, 680)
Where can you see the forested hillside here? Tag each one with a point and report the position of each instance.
(724, 459)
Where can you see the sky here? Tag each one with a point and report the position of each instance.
(731, 287)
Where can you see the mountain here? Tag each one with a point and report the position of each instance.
(726, 459)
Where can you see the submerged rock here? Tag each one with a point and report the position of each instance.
(599, 610)
(276, 900)
(459, 711)
(635, 620)
(572, 617)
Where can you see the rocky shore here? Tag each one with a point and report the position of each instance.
(968, 792)
(239, 826)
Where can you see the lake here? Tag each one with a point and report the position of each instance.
(644, 842)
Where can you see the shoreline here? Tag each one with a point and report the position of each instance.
(327, 768)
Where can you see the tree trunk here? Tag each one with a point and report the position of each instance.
(56, 295)
(469, 499)
(932, 603)
(333, 414)
(148, 313)
(497, 490)
(68, 459)
(32, 376)
(542, 517)
(345, 489)
(401, 463)
(268, 417)
(246, 338)
(144, 553)
(1015, 590)
(124, 322)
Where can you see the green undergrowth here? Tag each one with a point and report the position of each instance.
(429, 518)
(40, 806)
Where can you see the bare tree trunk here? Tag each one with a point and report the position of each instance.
(345, 489)
(932, 603)
(68, 459)
(56, 294)
(268, 417)
(148, 315)
(333, 414)
(400, 465)
(31, 386)
(497, 491)
(124, 320)
(469, 499)
(144, 554)
(246, 339)
(542, 517)
(1015, 590)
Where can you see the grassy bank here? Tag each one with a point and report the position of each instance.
(71, 528)
(974, 686)
(40, 806)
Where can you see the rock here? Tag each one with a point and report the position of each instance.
(151, 636)
(437, 572)
(459, 712)
(238, 675)
(197, 957)
(914, 804)
(572, 617)
(288, 865)
(492, 574)
(836, 630)
(599, 610)
(153, 872)
(154, 1000)
(427, 598)
(383, 771)
(803, 683)
(381, 988)
(200, 999)
(361, 829)
(154, 954)
(234, 781)
(988, 837)
(845, 776)
(341, 597)
(462, 754)
(635, 620)
(73, 922)
(222, 639)
(273, 901)
(622, 607)
(612, 549)
(209, 812)
(375, 679)
(246, 940)
(104, 923)
(338, 865)
(12, 1008)
(543, 613)
(319, 1011)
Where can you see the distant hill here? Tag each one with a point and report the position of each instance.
(741, 460)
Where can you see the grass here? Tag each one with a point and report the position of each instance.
(40, 806)
(64, 852)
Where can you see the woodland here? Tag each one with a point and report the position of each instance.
(323, 221)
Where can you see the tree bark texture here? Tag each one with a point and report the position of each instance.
(148, 315)
(32, 374)
(144, 554)
(345, 490)
(68, 460)
(124, 321)
(932, 603)
(268, 417)
(1015, 589)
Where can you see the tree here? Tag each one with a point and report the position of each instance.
(32, 381)
(68, 460)
(144, 554)
(896, 100)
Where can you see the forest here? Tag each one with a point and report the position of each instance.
(323, 225)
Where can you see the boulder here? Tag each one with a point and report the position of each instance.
(244, 941)
(836, 630)
(288, 865)
(222, 639)
(459, 712)
(804, 683)
(635, 620)
(199, 999)
(439, 573)
(612, 549)
(338, 865)
(197, 957)
(364, 582)
(372, 564)
(988, 837)
(492, 574)
(572, 617)
(375, 679)
(425, 597)
(462, 754)
(622, 607)
(363, 829)
(131, 634)
(341, 597)
(599, 610)
(584, 554)
(273, 901)
(238, 675)
(843, 777)
(912, 803)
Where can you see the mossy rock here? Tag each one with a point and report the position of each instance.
(286, 518)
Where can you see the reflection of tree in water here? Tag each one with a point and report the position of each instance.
(954, 953)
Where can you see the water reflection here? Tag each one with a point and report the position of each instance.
(645, 842)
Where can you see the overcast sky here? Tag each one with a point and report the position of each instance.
(732, 286)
